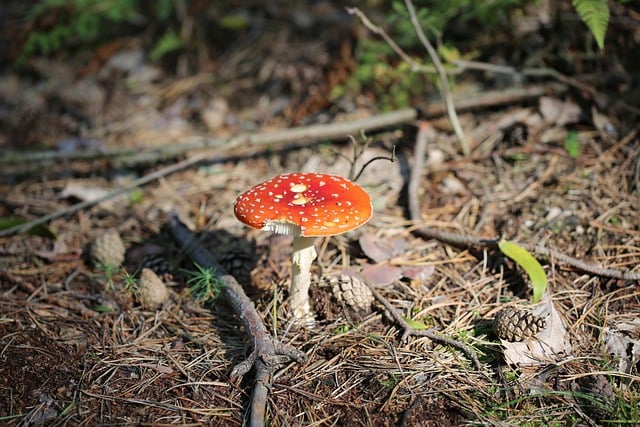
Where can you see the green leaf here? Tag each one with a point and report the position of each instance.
(101, 308)
(529, 264)
(572, 144)
(415, 324)
(168, 43)
(595, 14)
(8, 222)
(234, 22)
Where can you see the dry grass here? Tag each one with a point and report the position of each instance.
(75, 353)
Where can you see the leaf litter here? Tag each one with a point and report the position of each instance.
(74, 352)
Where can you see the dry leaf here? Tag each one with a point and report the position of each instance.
(83, 192)
(381, 274)
(380, 249)
(60, 253)
(623, 343)
(558, 112)
(543, 347)
(419, 272)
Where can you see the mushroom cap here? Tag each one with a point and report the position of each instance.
(305, 204)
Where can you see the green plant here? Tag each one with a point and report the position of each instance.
(169, 42)
(390, 382)
(343, 329)
(203, 283)
(397, 83)
(572, 144)
(131, 284)
(529, 264)
(434, 16)
(595, 14)
(107, 272)
(80, 22)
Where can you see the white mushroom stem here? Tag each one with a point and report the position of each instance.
(303, 255)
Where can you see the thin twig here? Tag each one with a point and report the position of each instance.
(268, 353)
(408, 330)
(110, 195)
(444, 83)
(391, 158)
(239, 145)
(468, 241)
(415, 66)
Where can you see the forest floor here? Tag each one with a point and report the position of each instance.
(108, 141)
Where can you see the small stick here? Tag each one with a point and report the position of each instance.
(445, 92)
(467, 241)
(268, 353)
(238, 145)
(429, 333)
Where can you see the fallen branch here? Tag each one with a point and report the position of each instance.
(268, 353)
(238, 145)
(241, 145)
(110, 195)
(467, 241)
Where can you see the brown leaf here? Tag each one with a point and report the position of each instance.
(546, 345)
(380, 249)
(381, 274)
(60, 253)
(420, 272)
(558, 112)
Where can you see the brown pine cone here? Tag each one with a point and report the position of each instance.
(517, 324)
(108, 249)
(351, 291)
(238, 263)
(235, 255)
(153, 291)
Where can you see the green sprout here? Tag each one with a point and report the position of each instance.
(572, 144)
(131, 284)
(107, 272)
(203, 283)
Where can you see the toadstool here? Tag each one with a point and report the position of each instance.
(305, 205)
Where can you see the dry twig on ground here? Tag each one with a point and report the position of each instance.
(268, 353)
(429, 333)
(243, 144)
(467, 241)
(439, 68)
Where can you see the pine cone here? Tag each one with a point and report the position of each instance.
(238, 263)
(517, 324)
(107, 249)
(351, 291)
(236, 255)
(153, 291)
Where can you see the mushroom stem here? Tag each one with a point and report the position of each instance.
(303, 255)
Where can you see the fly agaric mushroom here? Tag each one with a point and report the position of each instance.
(305, 205)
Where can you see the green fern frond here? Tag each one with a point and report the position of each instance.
(595, 14)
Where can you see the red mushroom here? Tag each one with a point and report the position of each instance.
(305, 205)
